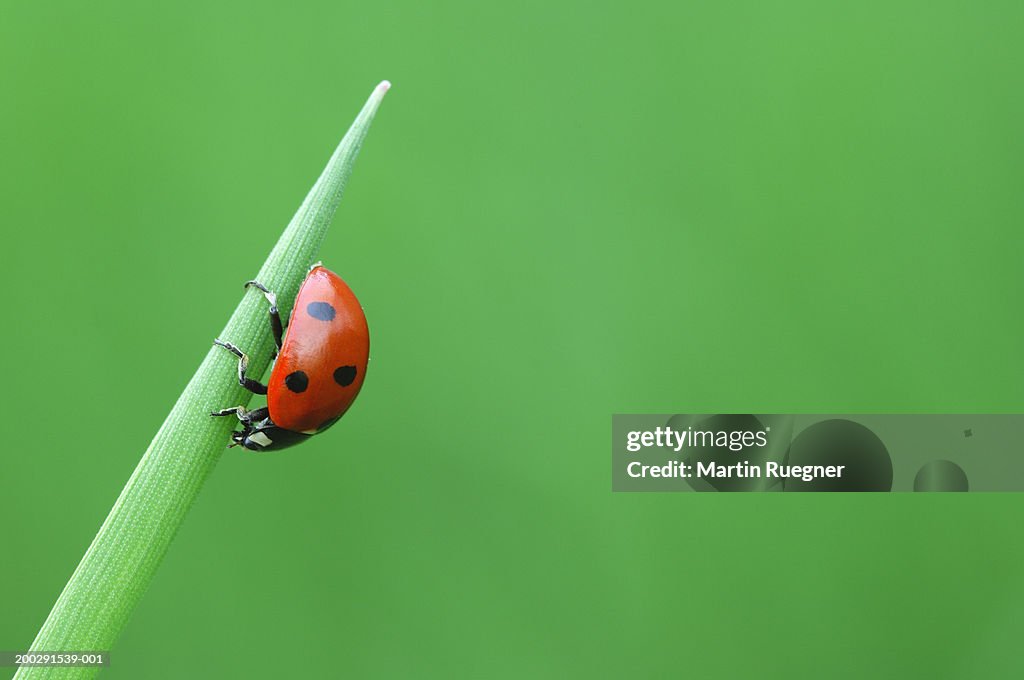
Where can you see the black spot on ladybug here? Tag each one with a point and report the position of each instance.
(344, 375)
(321, 310)
(328, 423)
(297, 381)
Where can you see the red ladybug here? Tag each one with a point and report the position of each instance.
(319, 370)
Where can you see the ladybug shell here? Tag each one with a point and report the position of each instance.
(322, 362)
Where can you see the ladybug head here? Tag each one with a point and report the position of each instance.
(265, 436)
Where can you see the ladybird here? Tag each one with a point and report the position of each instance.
(319, 370)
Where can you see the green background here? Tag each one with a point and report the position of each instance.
(563, 211)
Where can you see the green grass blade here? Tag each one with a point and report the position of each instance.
(99, 598)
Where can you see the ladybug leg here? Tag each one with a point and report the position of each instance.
(233, 411)
(246, 417)
(243, 363)
(275, 315)
(256, 415)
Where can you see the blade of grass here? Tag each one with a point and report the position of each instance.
(116, 569)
